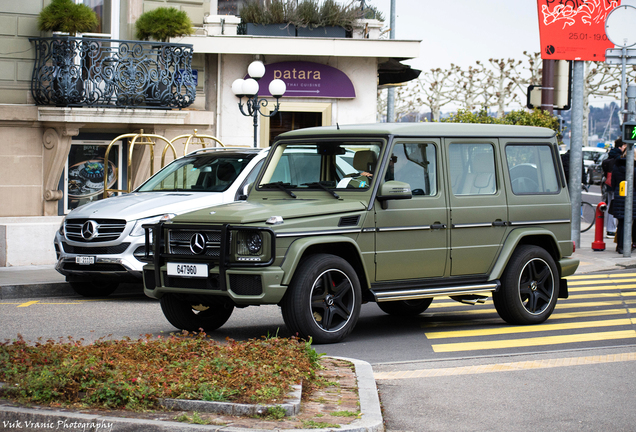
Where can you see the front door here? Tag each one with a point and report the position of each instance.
(478, 205)
(411, 235)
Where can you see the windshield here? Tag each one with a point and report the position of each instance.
(319, 165)
(202, 173)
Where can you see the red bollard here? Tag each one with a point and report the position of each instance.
(598, 244)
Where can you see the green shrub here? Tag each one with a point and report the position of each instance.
(536, 117)
(68, 17)
(135, 374)
(163, 23)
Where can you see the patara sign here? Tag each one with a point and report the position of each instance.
(308, 79)
(574, 29)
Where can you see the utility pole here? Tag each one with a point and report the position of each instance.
(576, 148)
(390, 97)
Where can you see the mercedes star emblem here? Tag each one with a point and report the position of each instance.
(197, 244)
(89, 230)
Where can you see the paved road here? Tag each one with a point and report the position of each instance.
(455, 367)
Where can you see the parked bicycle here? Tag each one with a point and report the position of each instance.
(588, 213)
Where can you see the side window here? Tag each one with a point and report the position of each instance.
(415, 164)
(472, 169)
(532, 169)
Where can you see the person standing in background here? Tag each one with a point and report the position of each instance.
(608, 165)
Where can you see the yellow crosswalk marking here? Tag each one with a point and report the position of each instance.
(527, 342)
(601, 276)
(581, 314)
(598, 288)
(506, 367)
(602, 281)
(27, 304)
(593, 295)
(528, 329)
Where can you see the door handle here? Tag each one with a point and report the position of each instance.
(499, 223)
(438, 225)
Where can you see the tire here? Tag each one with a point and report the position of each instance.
(186, 316)
(405, 307)
(94, 288)
(530, 287)
(323, 300)
(588, 216)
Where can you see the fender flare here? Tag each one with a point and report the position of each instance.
(297, 249)
(512, 241)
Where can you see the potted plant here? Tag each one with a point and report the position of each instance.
(68, 17)
(330, 19)
(275, 19)
(160, 25)
(163, 23)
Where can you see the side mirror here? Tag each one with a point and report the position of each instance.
(393, 190)
(245, 192)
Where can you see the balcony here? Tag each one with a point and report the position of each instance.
(92, 72)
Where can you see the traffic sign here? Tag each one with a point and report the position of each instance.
(629, 132)
(619, 26)
(574, 29)
(613, 56)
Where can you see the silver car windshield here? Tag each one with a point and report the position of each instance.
(203, 173)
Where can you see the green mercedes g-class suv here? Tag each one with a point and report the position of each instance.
(393, 213)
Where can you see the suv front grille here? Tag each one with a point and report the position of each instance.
(107, 229)
(179, 242)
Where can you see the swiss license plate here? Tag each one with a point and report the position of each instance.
(85, 260)
(188, 270)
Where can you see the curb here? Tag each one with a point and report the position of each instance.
(291, 405)
(46, 289)
(38, 419)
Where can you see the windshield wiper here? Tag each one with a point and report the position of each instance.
(323, 187)
(282, 186)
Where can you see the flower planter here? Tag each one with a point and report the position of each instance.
(328, 32)
(270, 29)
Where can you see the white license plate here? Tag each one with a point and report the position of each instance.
(85, 260)
(188, 270)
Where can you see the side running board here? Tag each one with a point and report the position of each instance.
(419, 293)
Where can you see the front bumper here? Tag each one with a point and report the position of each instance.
(242, 283)
(115, 260)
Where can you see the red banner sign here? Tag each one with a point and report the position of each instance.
(574, 29)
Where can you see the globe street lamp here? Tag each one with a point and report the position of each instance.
(249, 88)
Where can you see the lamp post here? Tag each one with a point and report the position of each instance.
(249, 88)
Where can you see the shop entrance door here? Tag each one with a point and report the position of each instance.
(292, 116)
(287, 121)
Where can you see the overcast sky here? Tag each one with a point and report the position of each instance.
(464, 31)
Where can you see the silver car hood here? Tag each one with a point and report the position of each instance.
(139, 205)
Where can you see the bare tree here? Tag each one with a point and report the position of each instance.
(501, 79)
(436, 89)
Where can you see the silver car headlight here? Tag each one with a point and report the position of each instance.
(138, 228)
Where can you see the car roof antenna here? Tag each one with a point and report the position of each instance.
(337, 126)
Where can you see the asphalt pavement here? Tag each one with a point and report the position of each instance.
(44, 281)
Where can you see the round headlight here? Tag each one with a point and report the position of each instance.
(254, 243)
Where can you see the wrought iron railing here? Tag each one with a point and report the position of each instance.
(72, 71)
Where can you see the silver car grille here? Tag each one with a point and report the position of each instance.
(104, 229)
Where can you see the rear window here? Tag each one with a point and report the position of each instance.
(532, 169)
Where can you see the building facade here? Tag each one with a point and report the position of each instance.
(47, 147)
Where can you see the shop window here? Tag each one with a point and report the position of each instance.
(85, 171)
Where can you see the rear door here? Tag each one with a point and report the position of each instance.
(477, 204)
